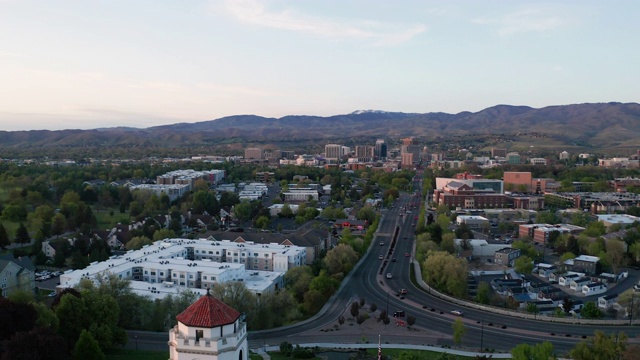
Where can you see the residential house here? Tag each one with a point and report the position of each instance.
(594, 288)
(16, 274)
(607, 301)
(545, 270)
(576, 284)
(566, 279)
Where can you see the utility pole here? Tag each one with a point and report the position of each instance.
(482, 335)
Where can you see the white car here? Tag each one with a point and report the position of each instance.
(456, 312)
(389, 276)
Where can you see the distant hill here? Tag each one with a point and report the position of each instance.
(597, 125)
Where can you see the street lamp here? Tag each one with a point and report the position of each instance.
(390, 290)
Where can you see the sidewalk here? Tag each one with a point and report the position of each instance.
(355, 347)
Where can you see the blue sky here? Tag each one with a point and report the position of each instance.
(82, 64)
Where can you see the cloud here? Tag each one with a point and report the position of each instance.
(527, 20)
(375, 32)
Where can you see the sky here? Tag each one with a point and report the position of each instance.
(86, 64)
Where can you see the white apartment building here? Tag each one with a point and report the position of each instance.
(173, 265)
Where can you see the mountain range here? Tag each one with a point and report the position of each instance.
(590, 125)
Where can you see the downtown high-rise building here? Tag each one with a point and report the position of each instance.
(333, 151)
(380, 151)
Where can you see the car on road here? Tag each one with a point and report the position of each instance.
(393, 260)
(389, 276)
(381, 243)
(399, 313)
(456, 312)
(403, 291)
(381, 257)
(407, 254)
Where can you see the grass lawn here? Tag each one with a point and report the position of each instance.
(276, 355)
(105, 220)
(123, 354)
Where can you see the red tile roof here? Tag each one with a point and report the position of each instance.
(208, 312)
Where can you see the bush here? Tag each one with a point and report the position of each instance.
(302, 353)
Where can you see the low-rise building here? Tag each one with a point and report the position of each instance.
(506, 256)
(607, 301)
(540, 232)
(172, 265)
(472, 221)
(589, 265)
(594, 289)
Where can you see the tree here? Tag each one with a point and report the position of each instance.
(355, 309)
(38, 343)
(446, 273)
(367, 213)
(464, 232)
(630, 302)
(263, 222)
(340, 259)
(72, 313)
(567, 304)
(532, 309)
(483, 293)
(4, 237)
(234, 294)
(297, 281)
(600, 346)
(286, 212)
(22, 235)
(243, 211)
(137, 242)
(58, 224)
(448, 243)
(458, 331)
(411, 320)
(523, 265)
(615, 254)
(162, 234)
(539, 351)
(87, 348)
(16, 317)
(591, 311)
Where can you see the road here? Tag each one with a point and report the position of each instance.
(368, 281)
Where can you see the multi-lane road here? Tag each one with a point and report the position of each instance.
(368, 281)
(489, 330)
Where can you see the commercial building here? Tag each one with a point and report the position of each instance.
(380, 151)
(469, 194)
(622, 219)
(472, 221)
(506, 256)
(253, 153)
(333, 152)
(540, 232)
